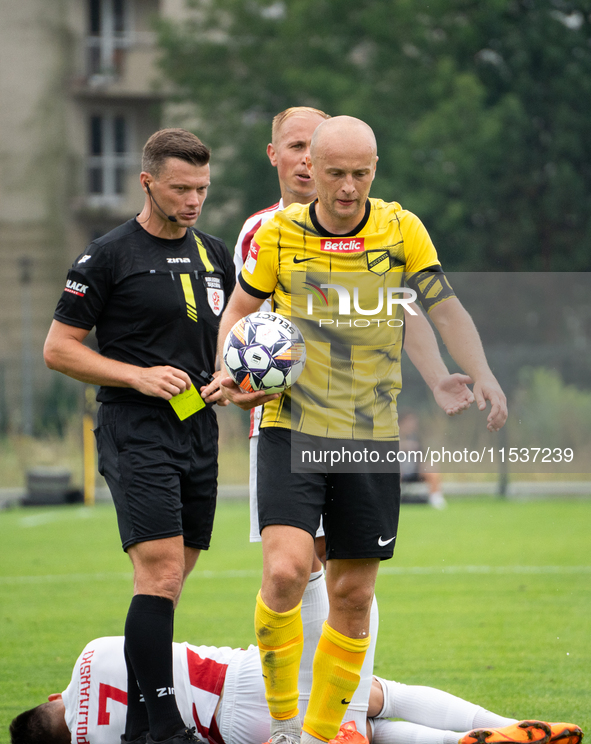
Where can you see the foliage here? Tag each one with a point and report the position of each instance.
(480, 110)
(543, 403)
(57, 406)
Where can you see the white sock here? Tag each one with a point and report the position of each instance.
(314, 613)
(291, 726)
(357, 710)
(486, 719)
(401, 732)
(309, 739)
(434, 708)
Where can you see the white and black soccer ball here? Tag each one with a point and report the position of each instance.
(264, 351)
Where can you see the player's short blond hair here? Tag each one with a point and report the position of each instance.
(281, 117)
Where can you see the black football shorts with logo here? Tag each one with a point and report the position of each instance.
(161, 471)
(359, 510)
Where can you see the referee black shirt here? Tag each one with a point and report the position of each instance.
(153, 301)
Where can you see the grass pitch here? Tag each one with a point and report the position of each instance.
(488, 599)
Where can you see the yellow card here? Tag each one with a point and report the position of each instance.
(187, 403)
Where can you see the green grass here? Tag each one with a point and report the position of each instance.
(490, 600)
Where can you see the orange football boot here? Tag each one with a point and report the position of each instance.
(565, 733)
(348, 734)
(524, 732)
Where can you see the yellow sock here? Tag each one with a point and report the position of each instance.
(337, 670)
(280, 637)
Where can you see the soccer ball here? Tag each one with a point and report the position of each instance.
(264, 351)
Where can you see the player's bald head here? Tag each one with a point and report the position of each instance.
(343, 134)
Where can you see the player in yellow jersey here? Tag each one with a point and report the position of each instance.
(291, 136)
(339, 267)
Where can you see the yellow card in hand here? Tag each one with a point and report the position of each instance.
(187, 403)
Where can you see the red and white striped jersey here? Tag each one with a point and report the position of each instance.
(248, 230)
(245, 237)
(96, 698)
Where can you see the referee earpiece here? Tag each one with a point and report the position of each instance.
(170, 217)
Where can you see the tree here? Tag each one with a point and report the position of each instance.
(480, 108)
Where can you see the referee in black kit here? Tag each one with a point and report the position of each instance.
(154, 288)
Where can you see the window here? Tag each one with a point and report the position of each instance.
(108, 36)
(108, 154)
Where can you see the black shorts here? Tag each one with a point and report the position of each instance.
(161, 471)
(359, 510)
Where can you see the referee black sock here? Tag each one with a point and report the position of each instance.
(148, 645)
(136, 722)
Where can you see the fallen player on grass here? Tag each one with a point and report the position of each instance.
(220, 692)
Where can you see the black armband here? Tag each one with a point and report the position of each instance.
(431, 286)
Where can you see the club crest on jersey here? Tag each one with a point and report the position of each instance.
(378, 261)
(251, 259)
(215, 293)
(75, 288)
(342, 245)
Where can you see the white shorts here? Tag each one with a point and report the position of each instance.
(243, 716)
(255, 534)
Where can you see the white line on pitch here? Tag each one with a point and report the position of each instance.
(250, 573)
(393, 570)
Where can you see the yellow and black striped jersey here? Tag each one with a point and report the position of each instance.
(346, 294)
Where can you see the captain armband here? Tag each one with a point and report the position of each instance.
(431, 286)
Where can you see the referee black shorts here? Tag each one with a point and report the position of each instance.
(161, 471)
(359, 510)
